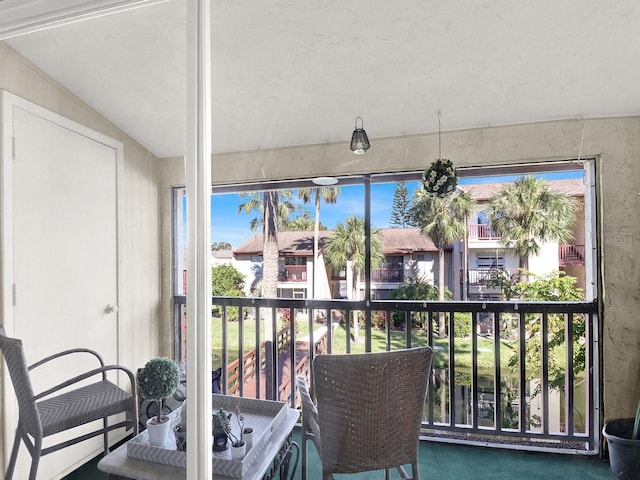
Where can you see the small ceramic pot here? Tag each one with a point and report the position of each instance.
(238, 451)
(247, 436)
(158, 432)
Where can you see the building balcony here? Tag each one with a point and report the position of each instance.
(483, 276)
(571, 255)
(292, 273)
(386, 275)
(482, 231)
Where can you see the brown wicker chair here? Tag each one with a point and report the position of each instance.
(369, 411)
(43, 414)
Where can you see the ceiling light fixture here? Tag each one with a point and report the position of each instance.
(325, 181)
(359, 140)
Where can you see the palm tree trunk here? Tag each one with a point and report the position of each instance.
(441, 316)
(442, 375)
(352, 292)
(523, 264)
(316, 266)
(270, 250)
(356, 327)
(269, 257)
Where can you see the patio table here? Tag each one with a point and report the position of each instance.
(276, 459)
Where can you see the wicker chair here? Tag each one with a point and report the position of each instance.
(43, 414)
(369, 411)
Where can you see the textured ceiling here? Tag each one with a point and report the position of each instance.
(294, 73)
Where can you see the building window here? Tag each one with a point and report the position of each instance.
(489, 260)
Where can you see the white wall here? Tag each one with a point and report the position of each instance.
(141, 267)
(546, 261)
(245, 266)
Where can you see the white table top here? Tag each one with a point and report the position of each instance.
(118, 463)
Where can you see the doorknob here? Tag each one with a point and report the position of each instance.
(111, 308)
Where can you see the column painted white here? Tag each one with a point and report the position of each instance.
(198, 187)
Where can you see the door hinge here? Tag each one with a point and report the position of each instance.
(13, 148)
(14, 295)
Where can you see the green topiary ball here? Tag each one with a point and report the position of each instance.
(159, 379)
(441, 178)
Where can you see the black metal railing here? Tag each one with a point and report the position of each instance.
(504, 372)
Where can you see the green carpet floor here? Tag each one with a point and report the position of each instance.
(454, 462)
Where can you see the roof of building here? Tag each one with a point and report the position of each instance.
(395, 241)
(297, 243)
(482, 192)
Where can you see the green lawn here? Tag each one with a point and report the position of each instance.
(378, 343)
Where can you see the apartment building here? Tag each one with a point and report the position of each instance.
(407, 251)
(469, 263)
(482, 254)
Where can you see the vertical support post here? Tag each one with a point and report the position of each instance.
(367, 262)
(198, 182)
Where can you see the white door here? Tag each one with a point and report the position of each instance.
(61, 230)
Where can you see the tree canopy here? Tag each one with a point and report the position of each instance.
(526, 213)
(401, 206)
(346, 249)
(218, 246)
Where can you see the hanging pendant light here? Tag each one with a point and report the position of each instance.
(359, 140)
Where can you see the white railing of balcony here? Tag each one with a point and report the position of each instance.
(482, 231)
(485, 276)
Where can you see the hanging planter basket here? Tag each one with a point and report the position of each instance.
(441, 178)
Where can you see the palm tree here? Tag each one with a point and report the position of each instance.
(526, 214)
(272, 208)
(300, 223)
(444, 220)
(328, 195)
(346, 249)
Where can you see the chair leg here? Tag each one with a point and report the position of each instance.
(105, 436)
(403, 472)
(35, 458)
(14, 456)
(415, 473)
(304, 455)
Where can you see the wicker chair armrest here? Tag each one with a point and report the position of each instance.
(65, 353)
(83, 376)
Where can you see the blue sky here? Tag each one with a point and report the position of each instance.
(227, 225)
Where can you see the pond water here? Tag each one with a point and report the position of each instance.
(509, 403)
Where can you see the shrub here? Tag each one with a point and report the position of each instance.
(227, 281)
(157, 380)
(378, 320)
(462, 324)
